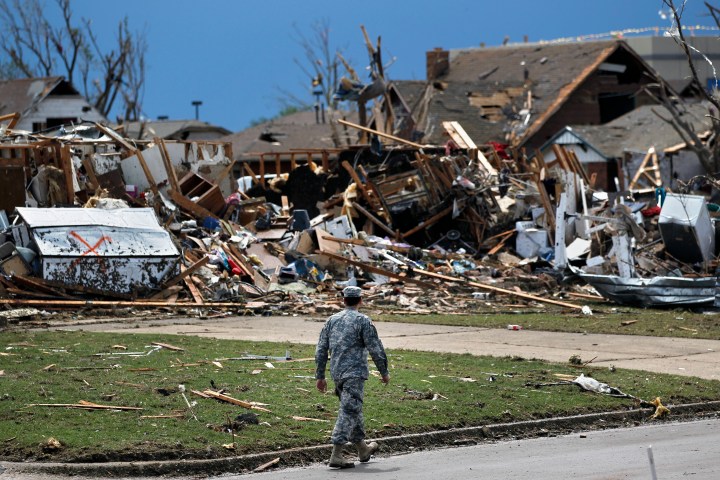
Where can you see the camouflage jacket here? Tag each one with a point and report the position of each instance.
(349, 336)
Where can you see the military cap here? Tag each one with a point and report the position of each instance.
(352, 292)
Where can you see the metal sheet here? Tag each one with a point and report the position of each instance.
(134, 218)
(654, 292)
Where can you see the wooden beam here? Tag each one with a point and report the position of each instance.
(234, 401)
(374, 219)
(426, 223)
(190, 206)
(186, 272)
(380, 271)
(13, 117)
(169, 169)
(380, 134)
(498, 289)
(360, 185)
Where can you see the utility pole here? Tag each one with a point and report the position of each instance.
(196, 104)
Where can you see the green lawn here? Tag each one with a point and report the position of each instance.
(606, 318)
(428, 391)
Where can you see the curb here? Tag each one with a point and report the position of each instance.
(305, 455)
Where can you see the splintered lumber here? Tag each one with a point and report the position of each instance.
(168, 346)
(13, 117)
(172, 177)
(190, 206)
(308, 419)
(83, 405)
(109, 303)
(379, 271)
(234, 401)
(267, 465)
(380, 134)
(482, 286)
(186, 272)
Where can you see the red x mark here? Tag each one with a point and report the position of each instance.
(94, 247)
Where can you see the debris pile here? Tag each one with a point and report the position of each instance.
(95, 218)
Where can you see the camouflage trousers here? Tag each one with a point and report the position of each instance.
(350, 425)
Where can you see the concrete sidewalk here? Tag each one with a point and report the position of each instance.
(679, 356)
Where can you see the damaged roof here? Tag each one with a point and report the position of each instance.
(21, 95)
(485, 88)
(640, 129)
(299, 130)
(174, 130)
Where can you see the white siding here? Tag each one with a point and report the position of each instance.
(65, 106)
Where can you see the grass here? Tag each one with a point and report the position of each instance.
(428, 391)
(606, 319)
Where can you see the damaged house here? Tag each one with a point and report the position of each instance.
(524, 94)
(45, 103)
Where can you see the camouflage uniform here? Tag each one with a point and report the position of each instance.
(349, 335)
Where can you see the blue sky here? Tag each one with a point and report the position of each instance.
(234, 56)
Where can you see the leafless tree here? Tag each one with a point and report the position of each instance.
(707, 149)
(37, 47)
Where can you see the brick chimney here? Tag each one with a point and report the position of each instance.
(438, 63)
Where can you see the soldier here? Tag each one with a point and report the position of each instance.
(349, 335)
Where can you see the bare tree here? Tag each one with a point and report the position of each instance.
(707, 149)
(38, 48)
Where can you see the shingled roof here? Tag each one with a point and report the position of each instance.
(173, 129)
(640, 129)
(485, 89)
(296, 131)
(21, 95)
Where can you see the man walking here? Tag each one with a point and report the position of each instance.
(349, 335)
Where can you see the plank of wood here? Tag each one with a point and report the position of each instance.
(190, 206)
(374, 219)
(82, 404)
(380, 271)
(107, 303)
(426, 223)
(168, 346)
(482, 286)
(380, 134)
(234, 401)
(267, 465)
(187, 271)
(360, 185)
(197, 296)
(169, 169)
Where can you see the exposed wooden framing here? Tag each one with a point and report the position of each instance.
(250, 172)
(194, 292)
(642, 171)
(226, 173)
(460, 136)
(13, 117)
(90, 171)
(67, 168)
(169, 169)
